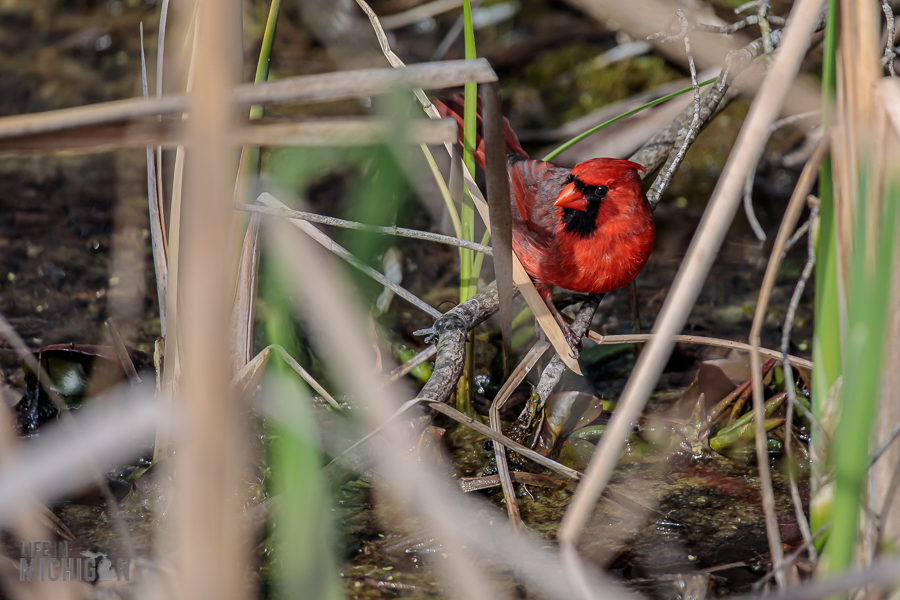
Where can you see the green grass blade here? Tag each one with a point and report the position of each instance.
(304, 560)
(265, 54)
(826, 348)
(250, 157)
(624, 115)
(468, 283)
(868, 309)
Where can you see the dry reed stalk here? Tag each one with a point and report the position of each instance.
(168, 134)
(157, 212)
(210, 540)
(496, 167)
(171, 366)
(698, 340)
(500, 399)
(693, 271)
(304, 89)
(419, 13)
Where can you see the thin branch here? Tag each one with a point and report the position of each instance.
(489, 433)
(735, 27)
(452, 34)
(122, 352)
(392, 230)
(500, 212)
(270, 200)
(340, 85)
(553, 371)
(411, 364)
(698, 340)
(674, 162)
(751, 174)
(888, 50)
(419, 13)
(876, 454)
(798, 235)
(765, 30)
(789, 385)
(793, 556)
(882, 574)
(746, 6)
(309, 379)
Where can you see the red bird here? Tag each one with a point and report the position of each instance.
(589, 229)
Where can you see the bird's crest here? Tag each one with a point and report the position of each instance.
(600, 171)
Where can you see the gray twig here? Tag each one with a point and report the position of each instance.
(450, 332)
(765, 29)
(737, 26)
(552, 372)
(888, 49)
(392, 230)
(674, 162)
(270, 200)
(748, 184)
(722, 29)
(801, 231)
(411, 364)
(746, 6)
(889, 52)
(789, 383)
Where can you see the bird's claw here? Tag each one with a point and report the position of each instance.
(574, 342)
(429, 334)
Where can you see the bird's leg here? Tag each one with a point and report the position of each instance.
(574, 341)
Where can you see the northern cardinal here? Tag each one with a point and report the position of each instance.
(589, 229)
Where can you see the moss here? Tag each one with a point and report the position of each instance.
(570, 86)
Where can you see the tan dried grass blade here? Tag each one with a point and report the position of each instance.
(169, 134)
(243, 309)
(305, 89)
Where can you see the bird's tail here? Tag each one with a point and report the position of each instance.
(453, 107)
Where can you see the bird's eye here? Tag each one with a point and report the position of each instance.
(595, 192)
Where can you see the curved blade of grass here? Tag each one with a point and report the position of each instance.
(553, 154)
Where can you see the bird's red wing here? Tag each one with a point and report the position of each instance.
(535, 185)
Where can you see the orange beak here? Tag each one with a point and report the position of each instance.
(570, 197)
